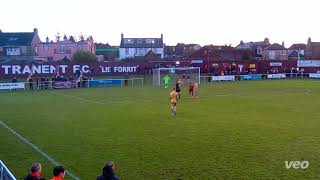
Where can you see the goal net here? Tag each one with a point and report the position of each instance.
(186, 75)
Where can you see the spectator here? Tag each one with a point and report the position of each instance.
(84, 81)
(108, 172)
(14, 80)
(30, 81)
(42, 81)
(126, 77)
(47, 83)
(35, 172)
(58, 173)
(92, 73)
(37, 81)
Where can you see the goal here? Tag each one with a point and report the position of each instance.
(186, 75)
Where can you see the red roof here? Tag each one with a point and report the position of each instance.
(275, 46)
(298, 46)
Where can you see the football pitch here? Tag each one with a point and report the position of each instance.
(237, 130)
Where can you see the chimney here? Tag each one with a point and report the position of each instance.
(161, 36)
(47, 39)
(309, 40)
(0, 31)
(35, 30)
(283, 43)
(122, 36)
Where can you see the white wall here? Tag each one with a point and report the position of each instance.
(138, 52)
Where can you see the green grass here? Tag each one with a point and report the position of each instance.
(241, 130)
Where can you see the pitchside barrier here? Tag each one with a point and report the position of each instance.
(116, 82)
(5, 174)
(259, 77)
(45, 85)
(11, 86)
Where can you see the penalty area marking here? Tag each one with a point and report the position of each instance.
(127, 101)
(308, 91)
(37, 149)
(101, 103)
(75, 97)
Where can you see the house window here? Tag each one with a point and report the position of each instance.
(272, 55)
(79, 47)
(129, 41)
(24, 50)
(46, 47)
(139, 41)
(150, 41)
(13, 52)
(127, 51)
(259, 50)
(63, 49)
(13, 39)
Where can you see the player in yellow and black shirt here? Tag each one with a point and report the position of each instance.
(173, 99)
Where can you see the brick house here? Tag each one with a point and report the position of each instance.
(296, 51)
(221, 53)
(19, 45)
(180, 50)
(275, 52)
(312, 50)
(257, 47)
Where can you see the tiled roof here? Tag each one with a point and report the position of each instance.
(315, 44)
(297, 46)
(249, 45)
(275, 46)
(141, 43)
(295, 54)
(218, 53)
(16, 39)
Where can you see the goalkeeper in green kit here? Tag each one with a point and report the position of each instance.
(166, 80)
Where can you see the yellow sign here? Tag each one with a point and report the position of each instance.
(252, 66)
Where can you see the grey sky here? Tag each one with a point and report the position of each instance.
(201, 21)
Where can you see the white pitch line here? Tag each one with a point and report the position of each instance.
(101, 103)
(126, 101)
(50, 159)
(308, 91)
(83, 99)
(222, 95)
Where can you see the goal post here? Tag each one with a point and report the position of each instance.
(185, 74)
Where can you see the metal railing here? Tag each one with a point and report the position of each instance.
(45, 85)
(206, 79)
(5, 174)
